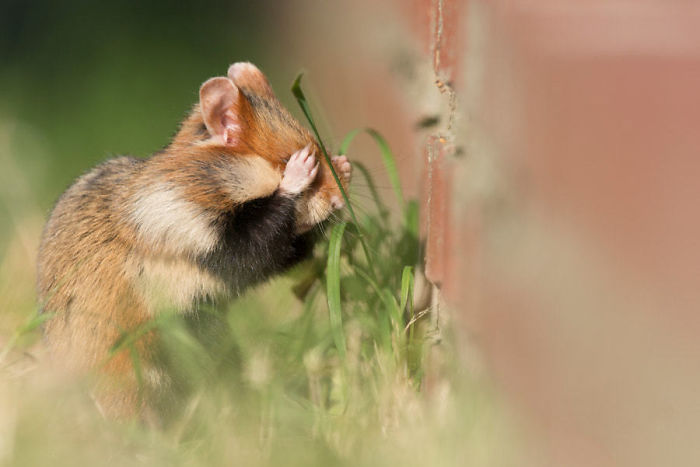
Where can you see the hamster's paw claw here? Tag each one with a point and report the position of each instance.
(300, 172)
(342, 167)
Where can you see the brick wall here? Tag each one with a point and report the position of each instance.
(560, 192)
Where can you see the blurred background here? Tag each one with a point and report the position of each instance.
(554, 147)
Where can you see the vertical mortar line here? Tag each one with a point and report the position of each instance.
(437, 139)
(439, 25)
(435, 305)
(436, 47)
(444, 86)
(429, 197)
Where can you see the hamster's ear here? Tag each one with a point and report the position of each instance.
(246, 76)
(220, 104)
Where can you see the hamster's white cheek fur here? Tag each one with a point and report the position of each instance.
(166, 221)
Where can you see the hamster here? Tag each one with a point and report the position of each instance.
(227, 204)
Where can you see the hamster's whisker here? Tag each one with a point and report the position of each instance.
(322, 230)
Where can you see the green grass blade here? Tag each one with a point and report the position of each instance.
(127, 338)
(333, 287)
(407, 281)
(385, 295)
(390, 301)
(138, 373)
(345, 144)
(33, 323)
(406, 286)
(301, 99)
(305, 326)
(411, 218)
(387, 157)
(372, 283)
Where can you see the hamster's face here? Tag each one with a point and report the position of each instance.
(243, 112)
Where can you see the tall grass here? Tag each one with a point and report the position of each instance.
(390, 252)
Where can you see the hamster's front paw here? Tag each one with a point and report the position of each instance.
(299, 173)
(343, 168)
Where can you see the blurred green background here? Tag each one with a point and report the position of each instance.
(86, 80)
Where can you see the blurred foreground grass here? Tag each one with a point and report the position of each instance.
(333, 364)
